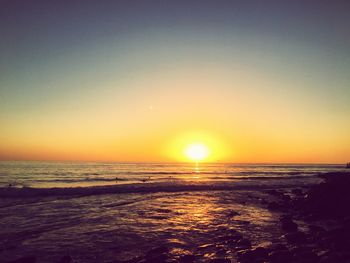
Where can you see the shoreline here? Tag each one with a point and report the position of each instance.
(25, 192)
(257, 224)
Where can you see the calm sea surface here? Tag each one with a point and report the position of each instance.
(68, 174)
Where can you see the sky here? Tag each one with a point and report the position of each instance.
(135, 81)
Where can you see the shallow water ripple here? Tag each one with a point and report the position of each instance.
(125, 226)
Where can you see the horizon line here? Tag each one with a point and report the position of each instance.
(172, 162)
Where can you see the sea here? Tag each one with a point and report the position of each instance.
(142, 212)
(90, 174)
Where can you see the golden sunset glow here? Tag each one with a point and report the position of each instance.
(172, 131)
(248, 96)
(197, 152)
(197, 146)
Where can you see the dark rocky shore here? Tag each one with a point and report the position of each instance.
(316, 223)
(313, 223)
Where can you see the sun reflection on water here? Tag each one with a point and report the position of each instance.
(136, 223)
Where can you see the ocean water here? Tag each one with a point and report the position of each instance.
(172, 209)
(88, 174)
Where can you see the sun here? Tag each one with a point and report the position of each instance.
(197, 146)
(197, 152)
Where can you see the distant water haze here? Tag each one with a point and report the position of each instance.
(67, 174)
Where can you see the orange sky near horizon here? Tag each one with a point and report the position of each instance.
(219, 108)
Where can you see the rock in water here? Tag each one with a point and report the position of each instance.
(278, 256)
(288, 224)
(187, 259)
(295, 237)
(258, 254)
